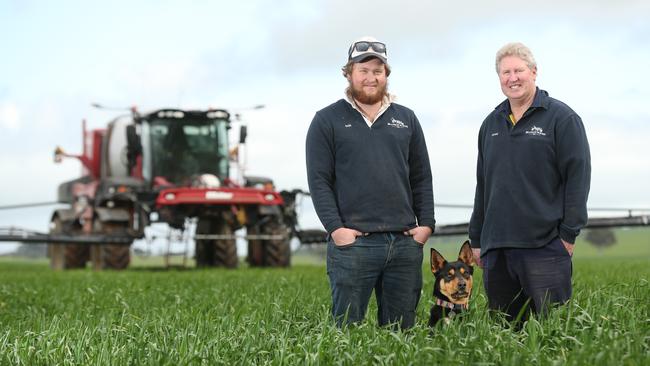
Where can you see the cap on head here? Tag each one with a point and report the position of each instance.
(366, 47)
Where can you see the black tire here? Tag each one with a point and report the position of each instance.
(277, 252)
(255, 256)
(225, 250)
(215, 252)
(66, 256)
(204, 250)
(114, 256)
(76, 256)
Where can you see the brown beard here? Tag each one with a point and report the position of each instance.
(364, 98)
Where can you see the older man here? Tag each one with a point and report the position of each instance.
(370, 179)
(533, 176)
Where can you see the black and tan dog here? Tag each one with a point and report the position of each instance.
(453, 283)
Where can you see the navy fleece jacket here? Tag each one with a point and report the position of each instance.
(372, 179)
(532, 179)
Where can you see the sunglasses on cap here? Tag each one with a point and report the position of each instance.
(363, 46)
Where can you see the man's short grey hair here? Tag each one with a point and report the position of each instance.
(516, 49)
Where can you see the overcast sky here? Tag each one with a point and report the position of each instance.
(58, 57)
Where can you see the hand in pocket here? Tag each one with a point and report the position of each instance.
(420, 234)
(344, 236)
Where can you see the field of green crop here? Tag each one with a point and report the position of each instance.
(149, 315)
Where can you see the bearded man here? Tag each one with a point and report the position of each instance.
(370, 180)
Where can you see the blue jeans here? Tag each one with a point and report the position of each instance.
(390, 263)
(518, 281)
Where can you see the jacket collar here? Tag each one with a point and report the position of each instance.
(385, 103)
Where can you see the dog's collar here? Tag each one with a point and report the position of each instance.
(451, 305)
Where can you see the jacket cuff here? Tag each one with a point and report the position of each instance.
(475, 243)
(568, 235)
(429, 223)
(331, 226)
(432, 227)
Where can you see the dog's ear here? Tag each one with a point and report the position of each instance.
(465, 255)
(437, 261)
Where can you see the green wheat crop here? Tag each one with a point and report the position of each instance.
(146, 316)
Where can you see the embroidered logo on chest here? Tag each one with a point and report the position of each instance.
(535, 131)
(397, 123)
